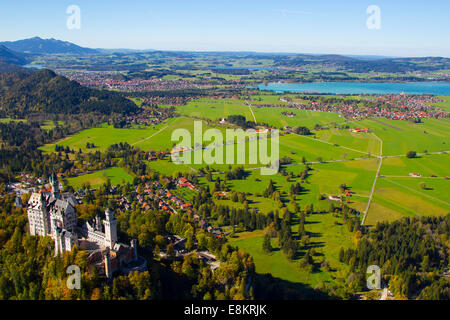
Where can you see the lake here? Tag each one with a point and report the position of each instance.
(435, 88)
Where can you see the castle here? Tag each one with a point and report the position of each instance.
(52, 213)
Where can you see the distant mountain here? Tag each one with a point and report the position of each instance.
(37, 45)
(360, 65)
(9, 56)
(44, 91)
(123, 51)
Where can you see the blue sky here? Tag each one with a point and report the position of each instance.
(408, 28)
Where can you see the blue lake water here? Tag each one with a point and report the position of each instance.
(436, 88)
(34, 66)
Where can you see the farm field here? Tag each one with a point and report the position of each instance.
(398, 197)
(399, 137)
(364, 142)
(305, 118)
(155, 138)
(217, 109)
(214, 109)
(117, 176)
(425, 165)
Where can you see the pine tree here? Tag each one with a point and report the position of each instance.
(267, 246)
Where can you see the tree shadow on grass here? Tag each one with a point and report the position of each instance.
(267, 287)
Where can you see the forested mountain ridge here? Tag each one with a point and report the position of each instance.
(38, 45)
(44, 91)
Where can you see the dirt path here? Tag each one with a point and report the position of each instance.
(145, 139)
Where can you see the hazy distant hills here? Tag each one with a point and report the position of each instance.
(9, 56)
(38, 45)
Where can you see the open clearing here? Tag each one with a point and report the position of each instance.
(116, 175)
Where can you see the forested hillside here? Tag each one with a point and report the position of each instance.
(412, 254)
(44, 91)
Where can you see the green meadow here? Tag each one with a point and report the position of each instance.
(399, 137)
(221, 108)
(327, 234)
(116, 175)
(145, 138)
(302, 118)
(425, 165)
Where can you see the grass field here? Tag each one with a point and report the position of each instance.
(117, 175)
(399, 137)
(327, 239)
(150, 138)
(217, 109)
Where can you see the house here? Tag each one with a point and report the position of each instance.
(186, 205)
(357, 130)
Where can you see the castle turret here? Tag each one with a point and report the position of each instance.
(58, 241)
(43, 216)
(134, 248)
(98, 223)
(55, 186)
(110, 224)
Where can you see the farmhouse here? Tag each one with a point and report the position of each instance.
(357, 130)
(334, 198)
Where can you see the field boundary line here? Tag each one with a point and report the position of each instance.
(332, 144)
(423, 194)
(400, 177)
(251, 110)
(375, 180)
(145, 139)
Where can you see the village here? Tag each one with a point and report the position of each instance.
(393, 107)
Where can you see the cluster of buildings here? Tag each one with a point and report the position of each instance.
(394, 107)
(288, 114)
(146, 117)
(52, 213)
(165, 199)
(26, 184)
(114, 81)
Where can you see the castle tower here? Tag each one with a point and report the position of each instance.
(98, 223)
(58, 241)
(55, 185)
(43, 216)
(110, 224)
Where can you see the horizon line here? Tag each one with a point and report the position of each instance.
(241, 51)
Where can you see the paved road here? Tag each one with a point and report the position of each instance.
(375, 181)
(142, 140)
(251, 110)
